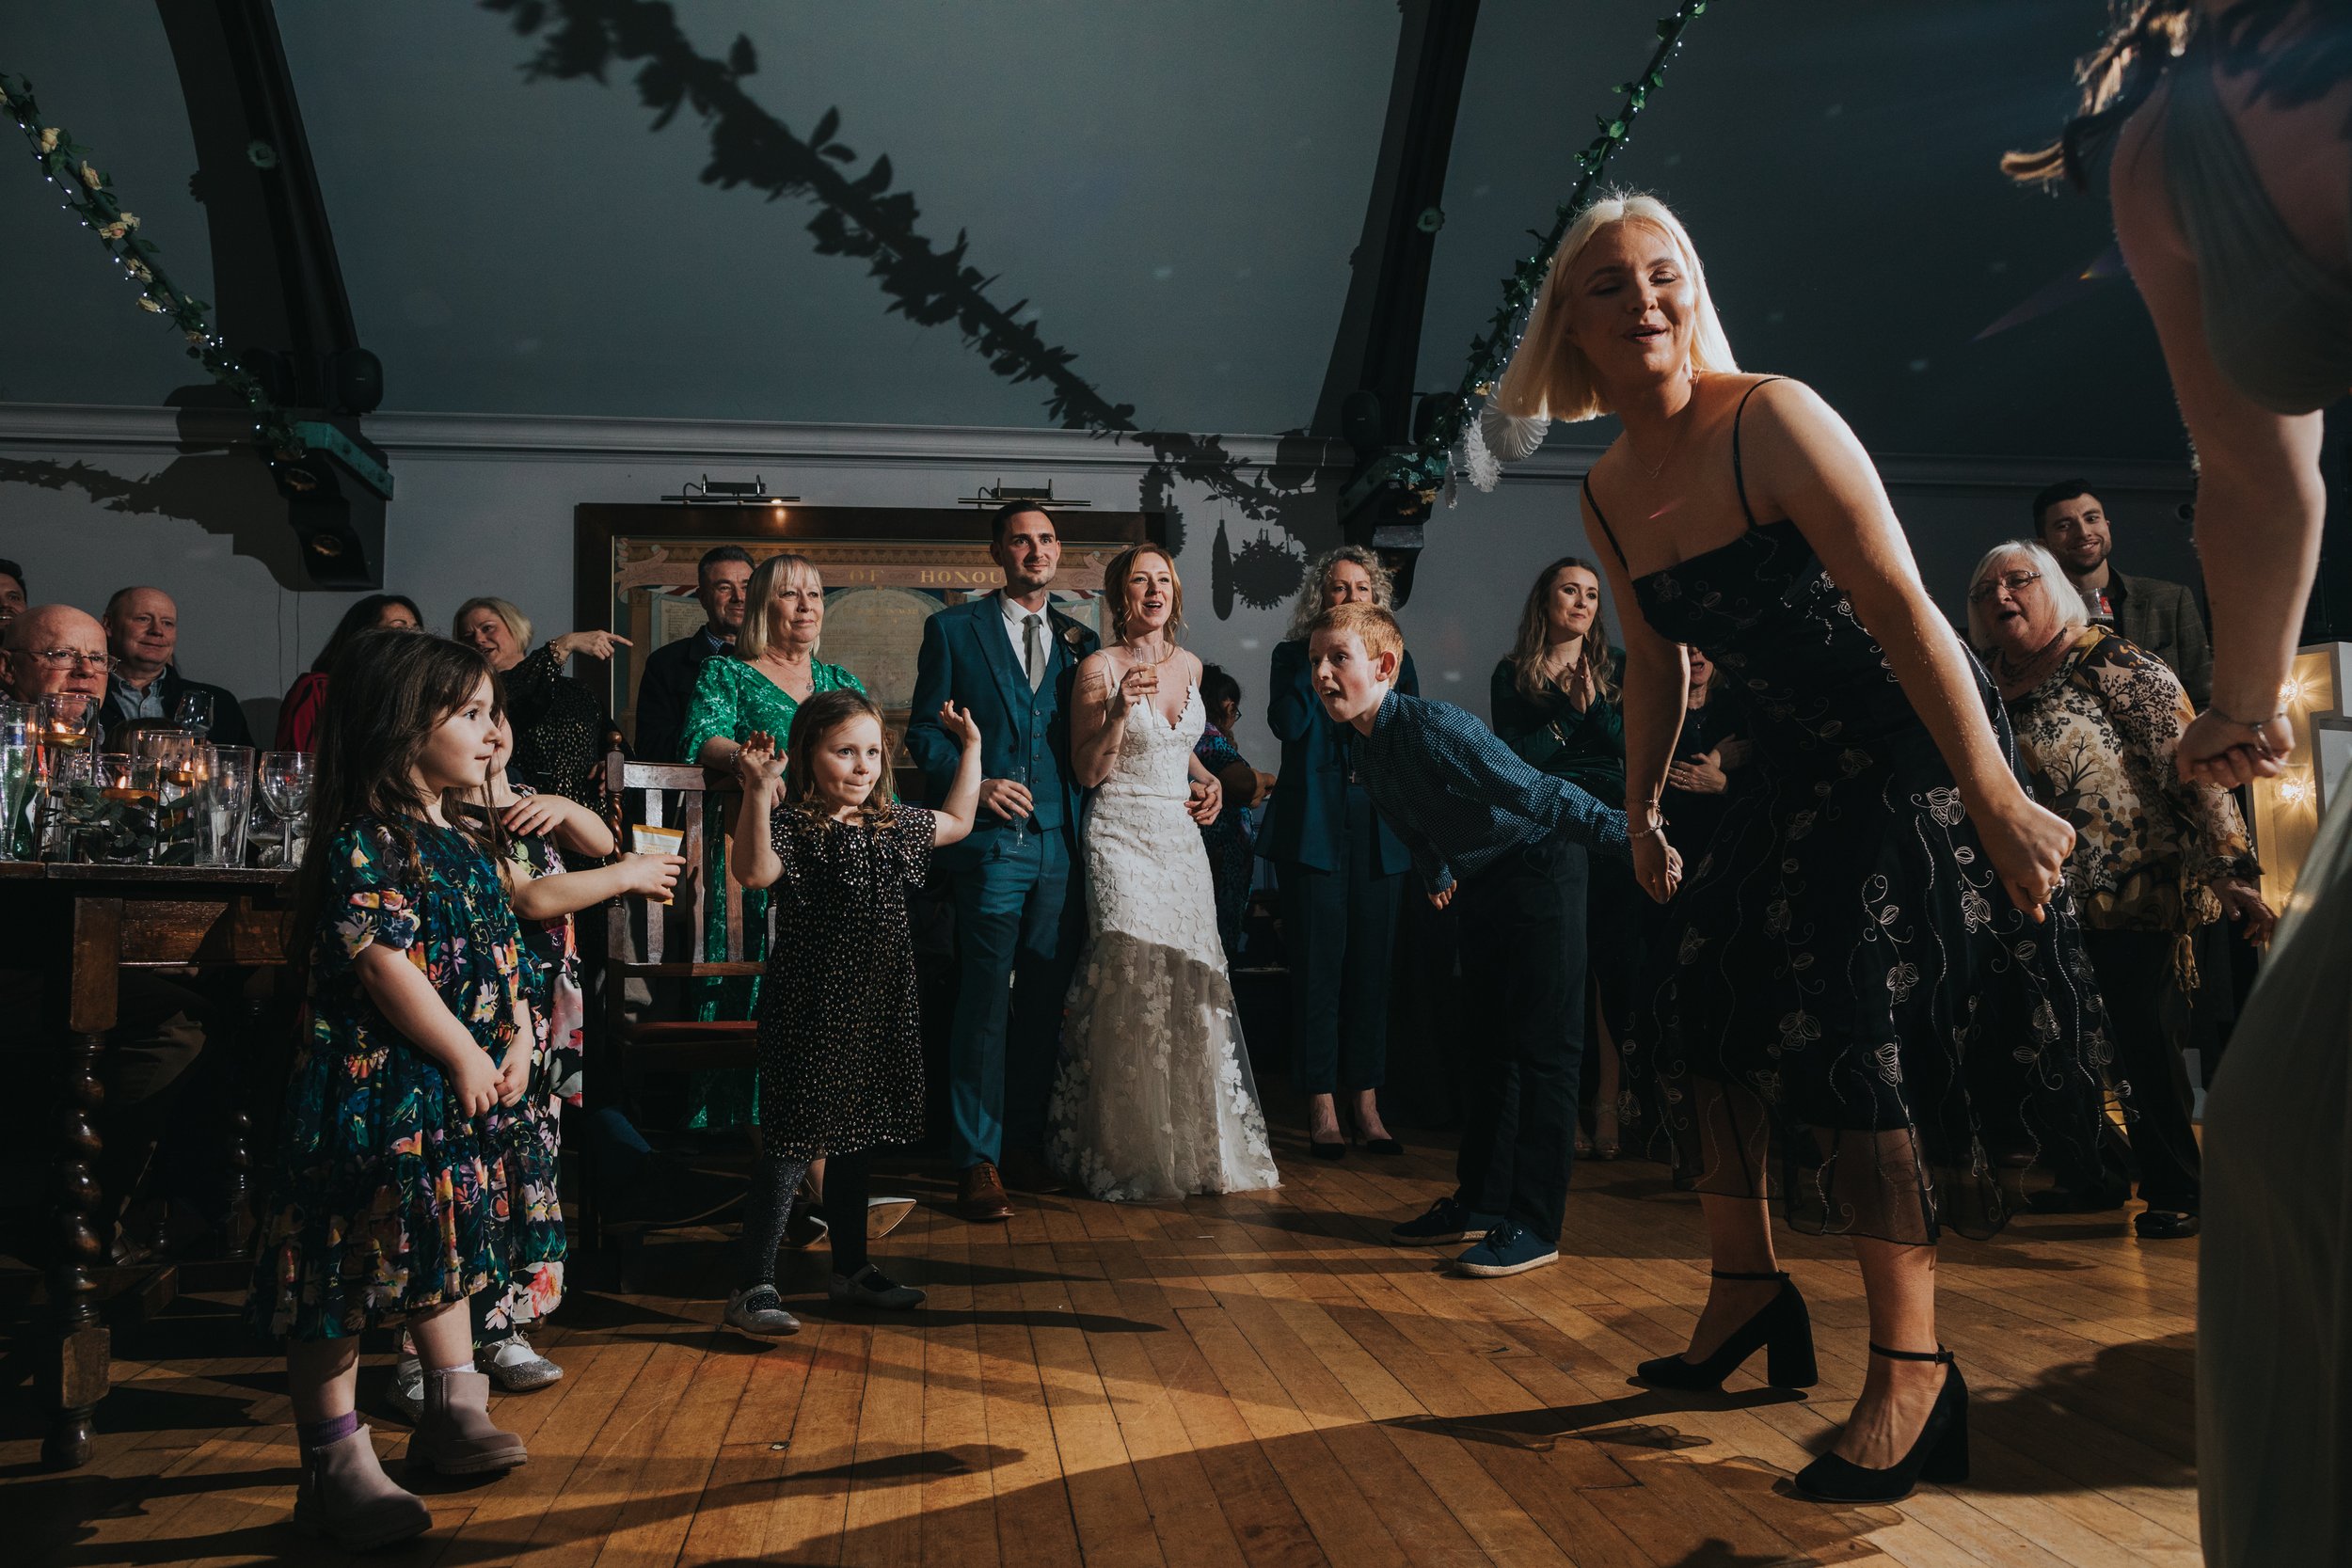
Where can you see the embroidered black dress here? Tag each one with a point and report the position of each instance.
(1850, 980)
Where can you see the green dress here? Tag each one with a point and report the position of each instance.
(386, 1199)
(732, 699)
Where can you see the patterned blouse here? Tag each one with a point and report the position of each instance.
(2098, 735)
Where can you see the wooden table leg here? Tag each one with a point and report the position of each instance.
(83, 1345)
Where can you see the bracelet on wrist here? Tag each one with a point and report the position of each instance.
(1657, 821)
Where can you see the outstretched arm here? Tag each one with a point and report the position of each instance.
(1653, 702)
(2260, 497)
(951, 819)
(1803, 463)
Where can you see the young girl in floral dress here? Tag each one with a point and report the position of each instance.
(533, 831)
(840, 1046)
(406, 1180)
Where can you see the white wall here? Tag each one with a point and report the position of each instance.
(93, 498)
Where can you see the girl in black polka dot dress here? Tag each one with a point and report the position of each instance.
(840, 1050)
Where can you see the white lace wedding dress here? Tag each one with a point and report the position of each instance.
(1155, 1098)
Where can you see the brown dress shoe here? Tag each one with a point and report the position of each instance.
(1025, 1171)
(980, 1194)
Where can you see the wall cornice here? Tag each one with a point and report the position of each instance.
(587, 438)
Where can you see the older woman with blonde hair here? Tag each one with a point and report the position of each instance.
(1340, 870)
(559, 727)
(1872, 971)
(2100, 724)
(756, 691)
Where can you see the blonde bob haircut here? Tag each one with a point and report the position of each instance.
(517, 624)
(1550, 377)
(2072, 612)
(1115, 590)
(759, 596)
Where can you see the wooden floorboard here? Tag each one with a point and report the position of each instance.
(1256, 1381)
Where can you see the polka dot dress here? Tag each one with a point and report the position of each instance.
(840, 1046)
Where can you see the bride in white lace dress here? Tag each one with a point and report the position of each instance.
(1155, 1098)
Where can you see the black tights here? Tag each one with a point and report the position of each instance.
(775, 1182)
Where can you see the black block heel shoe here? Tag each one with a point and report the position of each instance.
(1940, 1455)
(1782, 1329)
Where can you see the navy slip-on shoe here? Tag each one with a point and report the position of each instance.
(1446, 1223)
(1507, 1249)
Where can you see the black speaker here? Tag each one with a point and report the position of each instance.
(355, 381)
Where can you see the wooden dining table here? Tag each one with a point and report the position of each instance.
(80, 926)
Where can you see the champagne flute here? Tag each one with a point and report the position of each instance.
(20, 748)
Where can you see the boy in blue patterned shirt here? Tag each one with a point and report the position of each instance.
(1510, 846)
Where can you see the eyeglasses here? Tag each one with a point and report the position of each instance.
(2015, 581)
(58, 659)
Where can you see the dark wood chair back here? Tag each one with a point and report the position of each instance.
(667, 945)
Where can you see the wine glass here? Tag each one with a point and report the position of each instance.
(20, 746)
(194, 712)
(285, 780)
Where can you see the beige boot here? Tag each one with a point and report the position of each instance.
(345, 1496)
(455, 1436)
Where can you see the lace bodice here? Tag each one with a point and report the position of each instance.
(1154, 756)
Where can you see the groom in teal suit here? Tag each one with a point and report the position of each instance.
(1009, 659)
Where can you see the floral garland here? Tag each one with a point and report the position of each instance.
(1424, 468)
(65, 164)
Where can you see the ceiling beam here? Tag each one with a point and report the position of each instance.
(278, 283)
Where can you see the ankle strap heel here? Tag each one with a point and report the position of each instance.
(1939, 1353)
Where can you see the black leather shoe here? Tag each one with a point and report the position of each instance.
(2165, 1225)
(1940, 1455)
(1782, 1329)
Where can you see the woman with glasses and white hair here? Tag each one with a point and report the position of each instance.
(2099, 723)
(1872, 973)
(1340, 870)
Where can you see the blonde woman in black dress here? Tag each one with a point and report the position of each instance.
(1869, 976)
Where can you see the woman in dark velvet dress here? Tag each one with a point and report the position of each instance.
(1873, 973)
(1554, 702)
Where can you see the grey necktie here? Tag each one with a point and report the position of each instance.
(1033, 648)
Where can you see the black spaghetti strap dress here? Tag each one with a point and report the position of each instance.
(1847, 985)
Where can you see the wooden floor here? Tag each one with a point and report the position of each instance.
(1241, 1379)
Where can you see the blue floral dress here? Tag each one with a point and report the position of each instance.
(385, 1200)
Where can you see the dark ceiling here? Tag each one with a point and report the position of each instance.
(1174, 189)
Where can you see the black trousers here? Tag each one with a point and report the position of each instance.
(1523, 1013)
(1340, 936)
(2135, 970)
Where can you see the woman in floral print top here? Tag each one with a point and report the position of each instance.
(2097, 721)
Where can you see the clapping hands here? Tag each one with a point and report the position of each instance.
(758, 767)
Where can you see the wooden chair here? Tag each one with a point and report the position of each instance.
(659, 942)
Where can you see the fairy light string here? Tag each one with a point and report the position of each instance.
(1423, 467)
(86, 191)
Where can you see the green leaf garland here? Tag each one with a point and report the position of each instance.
(87, 190)
(1423, 469)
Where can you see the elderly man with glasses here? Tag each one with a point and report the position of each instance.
(49, 649)
(53, 648)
